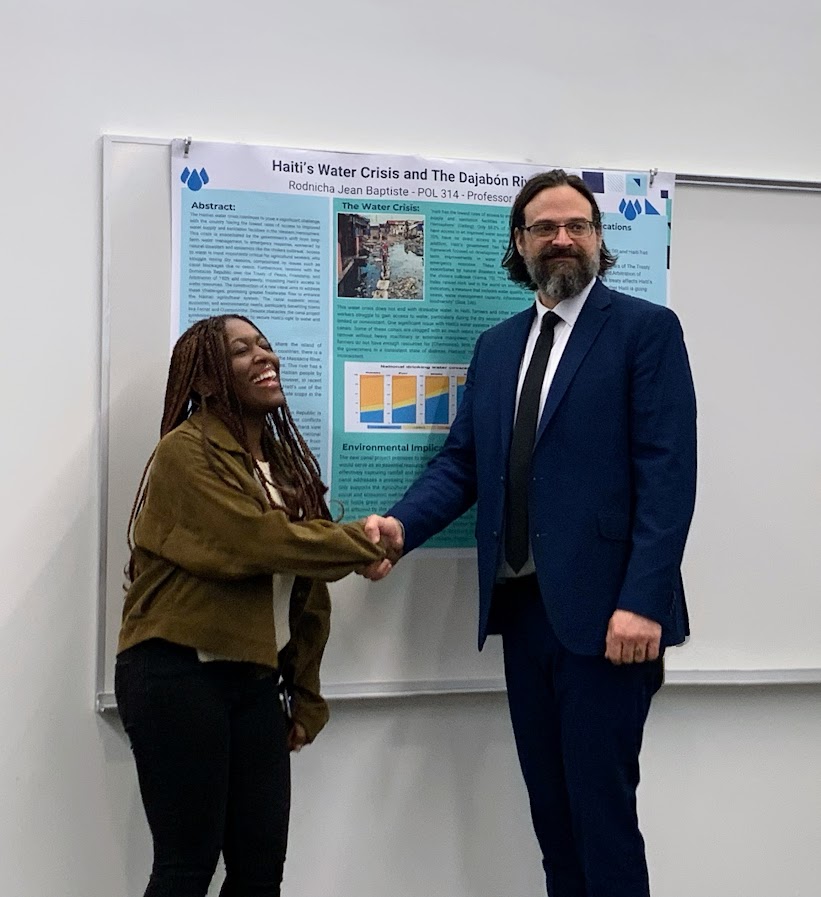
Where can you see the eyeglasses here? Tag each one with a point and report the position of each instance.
(549, 230)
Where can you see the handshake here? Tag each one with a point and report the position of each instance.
(389, 533)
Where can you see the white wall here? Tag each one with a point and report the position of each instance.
(416, 797)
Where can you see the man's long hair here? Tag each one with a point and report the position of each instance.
(200, 379)
(512, 260)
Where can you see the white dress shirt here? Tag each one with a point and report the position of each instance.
(568, 311)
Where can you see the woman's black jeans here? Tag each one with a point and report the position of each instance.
(210, 743)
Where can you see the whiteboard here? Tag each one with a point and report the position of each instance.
(742, 284)
(745, 286)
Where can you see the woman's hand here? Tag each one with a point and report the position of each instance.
(297, 737)
(389, 534)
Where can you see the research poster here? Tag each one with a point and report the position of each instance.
(373, 276)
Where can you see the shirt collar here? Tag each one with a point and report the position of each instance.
(568, 309)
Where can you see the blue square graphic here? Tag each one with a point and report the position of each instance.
(594, 180)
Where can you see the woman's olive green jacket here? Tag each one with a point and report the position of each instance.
(206, 543)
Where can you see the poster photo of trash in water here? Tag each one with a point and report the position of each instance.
(383, 255)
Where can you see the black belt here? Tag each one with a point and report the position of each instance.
(517, 585)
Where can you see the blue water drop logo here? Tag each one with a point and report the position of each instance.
(622, 204)
(630, 210)
(195, 180)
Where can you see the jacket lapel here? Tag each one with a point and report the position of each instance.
(509, 364)
(594, 313)
(219, 435)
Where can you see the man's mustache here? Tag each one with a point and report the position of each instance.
(549, 253)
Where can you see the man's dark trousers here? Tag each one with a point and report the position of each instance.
(578, 724)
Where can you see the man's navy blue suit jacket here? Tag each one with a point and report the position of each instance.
(613, 472)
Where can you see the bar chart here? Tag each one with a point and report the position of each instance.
(413, 397)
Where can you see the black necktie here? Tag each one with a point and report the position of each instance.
(517, 545)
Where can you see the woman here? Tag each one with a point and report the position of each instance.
(232, 545)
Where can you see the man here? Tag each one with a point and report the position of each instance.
(584, 504)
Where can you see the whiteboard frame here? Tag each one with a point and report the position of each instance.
(105, 701)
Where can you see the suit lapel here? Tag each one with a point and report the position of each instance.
(510, 362)
(594, 313)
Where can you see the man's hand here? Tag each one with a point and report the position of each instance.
(632, 638)
(388, 532)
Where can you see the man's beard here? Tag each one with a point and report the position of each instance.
(562, 273)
